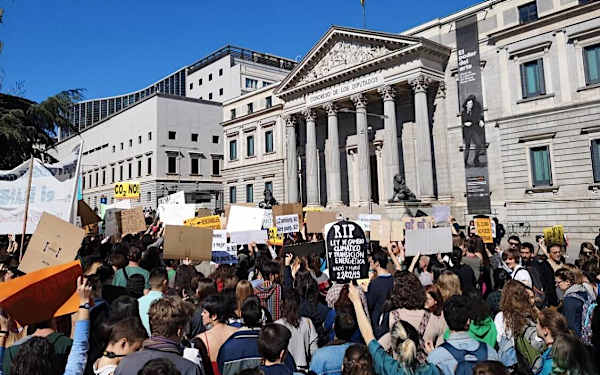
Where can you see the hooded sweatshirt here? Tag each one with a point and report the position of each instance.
(572, 307)
(269, 294)
(484, 331)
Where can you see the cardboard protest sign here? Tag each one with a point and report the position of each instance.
(133, 221)
(316, 220)
(288, 209)
(346, 245)
(381, 231)
(91, 230)
(203, 212)
(306, 248)
(187, 242)
(428, 241)
(312, 209)
(87, 215)
(223, 252)
(248, 236)
(112, 222)
(483, 228)
(212, 222)
(365, 220)
(176, 214)
(275, 239)
(397, 231)
(36, 297)
(553, 235)
(441, 214)
(423, 222)
(54, 242)
(287, 224)
(245, 218)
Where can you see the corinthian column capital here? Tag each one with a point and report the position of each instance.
(360, 101)
(331, 108)
(420, 83)
(290, 121)
(387, 92)
(309, 114)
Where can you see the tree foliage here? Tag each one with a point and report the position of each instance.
(28, 128)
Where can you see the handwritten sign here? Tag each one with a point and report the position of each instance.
(248, 236)
(483, 228)
(275, 239)
(287, 224)
(365, 220)
(306, 248)
(187, 242)
(212, 222)
(346, 246)
(176, 214)
(245, 218)
(428, 241)
(316, 220)
(132, 220)
(554, 235)
(268, 220)
(223, 252)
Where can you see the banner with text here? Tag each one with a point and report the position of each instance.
(346, 245)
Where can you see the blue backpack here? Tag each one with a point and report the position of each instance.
(465, 366)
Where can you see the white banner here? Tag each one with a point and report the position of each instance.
(176, 214)
(176, 198)
(52, 190)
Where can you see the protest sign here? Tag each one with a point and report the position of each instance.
(176, 214)
(422, 222)
(397, 231)
(223, 252)
(428, 241)
(312, 209)
(275, 239)
(268, 220)
(203, 212)
(346, 245)
(365, 220)
(247, 236)
(91, 229)
(441, 214)
(554, 235)
(483, 228)
(53, 190)
(287, 224)
(212, 222)
(175, 198)
(245, 218)
(187, 242)
(54, 242)
(87, 215)
(288, 209)
(112, 222)
(316, 220)
(381, 231)
(35, 297)
(127, 190)
(305, 249)
(133, 221)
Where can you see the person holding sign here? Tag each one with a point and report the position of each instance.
(380, 286)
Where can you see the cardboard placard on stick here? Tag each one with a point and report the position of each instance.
(346, 245)
(187, 242)
(88, 216)
(54, 242)
(132, 221)
(247, 236)
(288, 209)
(306, 248)
(483, 228)
(112, 222)
(316, 220)
(287, 224)
(397, 232)
(428, 241)
(212, 222)
(245, 218)
(554, 235)
(381, 231)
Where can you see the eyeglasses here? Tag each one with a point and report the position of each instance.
(513, 243)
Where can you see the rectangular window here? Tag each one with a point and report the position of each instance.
(139, 174)
(103, 177)
(268, 102)
(149, 196)
(269, 186)
(232, 194)
(528, 12)
(269, 141)
(172, 135)
(131, 143)
(251, 83)
(596, 159)
(120, 172)
(221, 72)
(216, 167)
(129, 170)
(172, 164)
(149, 165)
(591, 62)
(195, 166)
(121, 145)
(220, 92)
(233, 150)
(210, 96)
(191, 85)
(83, 182)
(265, 83)
(149, 136)
(532, 78)
(250, 108)
(114, 148)
(249, 193)
(541, 171)
(210, 77)
(96, 179)
(232, 111)
(215, 139)
(112, 175)
(90, 181)
(200, 82)
(139, 139)
(194, 137)
(250, 145)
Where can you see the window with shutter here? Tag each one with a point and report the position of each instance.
(541, 170)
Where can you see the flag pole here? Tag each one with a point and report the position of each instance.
(364, 16)
(21, 250)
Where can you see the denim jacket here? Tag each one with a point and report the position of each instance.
(328, 359)
(460, 340)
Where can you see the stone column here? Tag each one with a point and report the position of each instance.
(391, 161)
(423, 137)
(292, 160)
(334, 182)
(362, 135)
(312, 168)
(440, 144)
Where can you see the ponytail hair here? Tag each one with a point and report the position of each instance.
(405, 343)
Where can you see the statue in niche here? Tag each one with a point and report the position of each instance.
(401, 192)
(269, 200)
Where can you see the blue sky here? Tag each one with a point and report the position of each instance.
(111, 47)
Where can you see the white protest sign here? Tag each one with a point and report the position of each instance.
(287, 224)
(176, 214)
(365, 220)
(428, 241)
(123, 204)
(243, 218)
(247, 236)
(176, 198)
(219, 242)
(268, 221)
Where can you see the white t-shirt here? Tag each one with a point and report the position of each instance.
(521, 274)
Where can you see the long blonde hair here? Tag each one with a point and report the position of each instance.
(405, 343)
(449, 285)
(243, 290)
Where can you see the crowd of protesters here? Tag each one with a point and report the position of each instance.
(499, 308)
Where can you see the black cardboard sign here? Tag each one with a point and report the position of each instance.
(306, 248)
(346, 245)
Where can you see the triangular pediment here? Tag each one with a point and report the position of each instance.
(341, 49)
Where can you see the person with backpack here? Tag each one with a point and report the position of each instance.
(550, 325)
(577, 305)
(460, 353)
(542, 275)
(511, 262)
(123, 275)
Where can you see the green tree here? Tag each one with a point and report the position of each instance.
(28, 128)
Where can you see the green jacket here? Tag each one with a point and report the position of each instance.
(484, 331)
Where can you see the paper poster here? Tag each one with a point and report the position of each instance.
(428, 241)
(176, 198)
(554, 235)
(187, 242)
(127, 190)
(381, 231)
(423, 222)
(133, 221)
(268, 221)
(275, 239)
(54, 242)
(212, 222)
(397, 231)
(316, 220)
(441, 214)
(483, 228)
(245, 218)
(248, 236)
(305, 249)
(287, 224)
(366, 219)
(346, 245)
(176, 214)
(223, 252)
(288, 209)
(112, 222)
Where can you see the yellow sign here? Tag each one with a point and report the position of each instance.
(212, 222)
(554, 235)
(274, 238)
(127, 190)
(312, 209)
(483, 228)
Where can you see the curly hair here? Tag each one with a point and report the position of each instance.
(515, 306)
(357, 361)
(407, 292)
(36, 357)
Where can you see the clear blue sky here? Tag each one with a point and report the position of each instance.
(111, 47)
